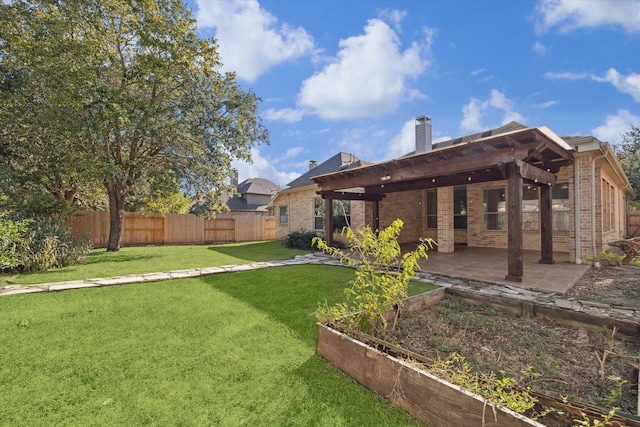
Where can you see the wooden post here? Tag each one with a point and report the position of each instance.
(546, 225)
(376, 216)
(514, 223)
(328, 219)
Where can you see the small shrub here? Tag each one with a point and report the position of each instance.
(374, 300)
(14, 239)
(299, 240)
(605, 258)
(28, 244)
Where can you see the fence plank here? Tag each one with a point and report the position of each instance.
(173, 229)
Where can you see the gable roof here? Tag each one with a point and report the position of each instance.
(240, 204)
(340, 161)
(257, 186)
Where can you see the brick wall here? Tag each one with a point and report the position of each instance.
(301, 215)
(410, 206)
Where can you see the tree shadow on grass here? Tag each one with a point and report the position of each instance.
(253, 251)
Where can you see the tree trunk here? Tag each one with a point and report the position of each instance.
(116, 218)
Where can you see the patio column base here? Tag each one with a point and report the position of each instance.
(546, 261)
(513, 278)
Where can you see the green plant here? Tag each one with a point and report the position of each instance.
(588, 422)
(38, 244)
(497, 390)
(14, 238)
(605, 258)
(299, 240)
(376, 294)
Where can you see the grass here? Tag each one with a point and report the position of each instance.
(229, 350)
(151, 259)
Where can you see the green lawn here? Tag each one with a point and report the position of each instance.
(151, 259)
(229, 350)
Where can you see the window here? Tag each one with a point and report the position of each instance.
(560, 206)
(494, 209)
(460, 208)
(341, 214)
(284, 214)
(318, 213)
(530, 208)
(608, 206)
(432, 209)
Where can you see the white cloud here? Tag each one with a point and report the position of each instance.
(547, 104)
(629, 84)
(263, 167)
(626, 84)
(404, 142)
(478, 71)
(539, 49)
(250, 39)
(287, 115)
(369, 77)
(394, 16)
(567, 76)
(615, 126)
(570, 14)
(476, 110)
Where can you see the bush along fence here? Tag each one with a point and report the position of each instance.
(174, 229)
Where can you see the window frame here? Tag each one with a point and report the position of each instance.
(500, 217)
(285, 215)
(431, 209)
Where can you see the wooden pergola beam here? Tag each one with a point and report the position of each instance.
(346, 195)
(390, 173)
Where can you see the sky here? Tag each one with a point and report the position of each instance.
(352, 75)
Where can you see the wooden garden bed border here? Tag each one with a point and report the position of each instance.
(428, 397)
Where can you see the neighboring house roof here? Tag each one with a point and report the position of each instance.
(252, 188)
(257, 186)
(340, 161)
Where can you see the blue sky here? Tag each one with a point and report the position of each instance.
(353, 75)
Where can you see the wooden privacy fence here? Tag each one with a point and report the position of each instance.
(634, 223)
(174, 229)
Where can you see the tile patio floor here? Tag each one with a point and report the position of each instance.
(490, 265)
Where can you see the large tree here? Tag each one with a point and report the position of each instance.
(629, 154)
(121, 92)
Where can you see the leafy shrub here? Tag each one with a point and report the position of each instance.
(299, 240)
(376, 295)
(14, 239)
(28, 244)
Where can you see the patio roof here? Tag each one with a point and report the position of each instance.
(480, 160)
(531, 154)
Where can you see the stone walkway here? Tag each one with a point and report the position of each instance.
(551, 299)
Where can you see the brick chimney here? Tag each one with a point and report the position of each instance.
(234, 177)
(423, 134)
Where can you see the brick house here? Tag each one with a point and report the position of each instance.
(512, 187)
(300, 208)
(251, 197)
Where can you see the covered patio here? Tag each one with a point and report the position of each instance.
(489, 264)
(530, 155)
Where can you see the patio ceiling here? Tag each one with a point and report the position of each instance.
(538, 153)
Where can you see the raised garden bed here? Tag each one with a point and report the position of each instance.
(396, 373)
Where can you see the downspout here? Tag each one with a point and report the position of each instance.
(288, 213)
(576, 214)
(593, 199)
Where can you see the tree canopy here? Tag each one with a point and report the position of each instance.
(629, 154)
(117, 93)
